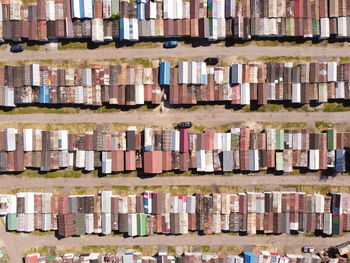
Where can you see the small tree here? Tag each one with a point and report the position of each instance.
(116, 16)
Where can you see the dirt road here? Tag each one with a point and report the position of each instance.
(271, 182)
(250, 51)
(208, 117)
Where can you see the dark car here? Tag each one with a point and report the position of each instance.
(211, 61)
(170, 44)
(308, 249)
(16, 48)
(185, 125)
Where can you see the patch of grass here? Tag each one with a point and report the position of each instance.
(343, 60)
(284, 125)
(104, 109)
(259, 248)
(199, 128)
(121, 189)
(44, 250)
(267, 43)
(43, 233)
(28, 1)
(26, 46)
(335, 107)
(321, 125)
(80, 190)
(205, 249)
(32, 110)
(270, 108)
(57, 190)
(281, 59)
(142, 61)
(243, 44)
(171, 250)
(73, 45)
(99, 249)
(146, 45)
(145, 108)
(311, 234)
(55, 174)
(18, 190)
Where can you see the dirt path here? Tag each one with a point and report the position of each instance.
(209, 117)
(250, 51)
(9, 182)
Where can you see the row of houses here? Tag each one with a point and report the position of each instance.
(108, 20)
(191, 82)
(162, 213)
(155, 151)
(187, 257)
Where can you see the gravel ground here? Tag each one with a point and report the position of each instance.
(8, 182)
(208, 117)
(250, 51)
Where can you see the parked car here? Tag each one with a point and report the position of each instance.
(16, 48)
(308, 249)
(211, 61)
(170, 44)
(184, 125)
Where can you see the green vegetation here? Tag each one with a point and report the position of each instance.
(27, 46)
(99, 249)
(142, 61)
(146, 45)
(144, 108)
(121, 189)
(32, 110)
(44, 250)
(80, 190)
(18, 190)
(264, 108)
(284, 125)
(28, 1)
(267, 43)
(104, 109)
(321, 125)
(335, 107)
(68, 173)
(43, 233)
(199, 128)
(72, 45)
(281, 59)
(116, 16)
(171, 250)
(205, 249)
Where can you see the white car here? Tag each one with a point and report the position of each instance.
(308, 249)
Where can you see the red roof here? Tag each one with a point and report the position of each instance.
(153, 162)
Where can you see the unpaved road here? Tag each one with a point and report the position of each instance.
(208, 117)
(17, 244)
(8, 182)
(251, 51)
